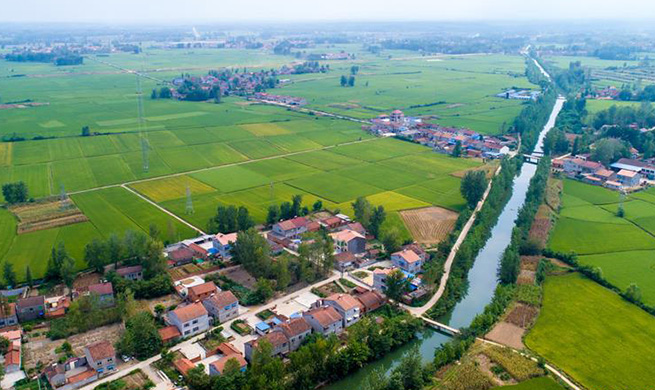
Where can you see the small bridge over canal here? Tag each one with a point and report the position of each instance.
(533, 158)
(441, 327)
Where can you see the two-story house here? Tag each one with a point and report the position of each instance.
(296, 330)
(8, 315)
(291, 228)
(370, 300)
(190, 320)
(229, 352)
(407, 260)
(349, 241)
(277, 339)
(347, 306)
(223, 306)
(324, 320)
(201, 291)
(30, 308)
(101, 357)
(104, 292)
(134, 272)
(223, 244)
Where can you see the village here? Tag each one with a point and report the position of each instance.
(447, 140)
(202, 322)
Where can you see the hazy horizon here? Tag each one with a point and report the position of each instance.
(204, 11)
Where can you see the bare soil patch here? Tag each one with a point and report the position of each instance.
(42, 349)
(21, 105)
(485, 364)
(526, 277)
(488, 168)
(241, 276)
(522, 315)
(429, 225)
(46, 215)
(83, 281)
(135, 380)
(530, 263)
(507, 334)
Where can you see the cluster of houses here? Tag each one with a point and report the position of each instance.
(441, 139)
(98, 360)
(326, 316)
(519, 94)
(625, 174)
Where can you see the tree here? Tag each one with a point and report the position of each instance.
(409, 373)
(266, 372)
(114, 249)
(15, 192)
(317, 206)
(153, 231)
(9, 274)
(457, 150)
(253, 252)
(281, 273)
(391, 240)
(296, 203)
(363, 210)
(473, 185)
(58, 256)
(141, 338)
(244, 220)
(609, 150)
(28, 276)
(354, 69)
(4, 345)
(351, 81)
(273, 215)
(127, 306)
(633, 293)
(153, 95)
(264, 289)
(377, 218)
(397, 285)
(67, 272)
(510, 266)
(86, 131)
(344, 81)
(96, 255)
(286, 210)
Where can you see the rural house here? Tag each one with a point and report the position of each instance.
(217, 367)
(628, 178)
(349, 241)
(189, 320)
(407, 260)
(71, 374)
(277, 339)
(104, 292)
(370, 300)
(347, 306)
(291, 228)
(324, 320)
(344, 261)
(296, 330)
(200, 292)
(223, 306)
(30, 308)
(169, 334)
(101, 357)
(223, 244)
(132, 273)
(8, 314)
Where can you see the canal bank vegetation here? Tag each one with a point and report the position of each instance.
(323, 360)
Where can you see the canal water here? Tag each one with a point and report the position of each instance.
(481, 277)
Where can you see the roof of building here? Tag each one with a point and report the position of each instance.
(227, 349)
(226, 239)
(325, 316)
(198, 249)
(627, 173)
(294, 223)
(346, 235)
(169, 333)
(344, 257)
(190, 312)
(13, 356)
(101, 350)
(295, 327)
(202, 289)
(219, 364)
(102, 288)
(183, 365)
(408, 255)
(223, 298)
(383, 271)
(313, 226)
(9, 312)
(182, 253)
(613, 183)
(345, 301)
(631, 162)
(129, 270)
(84, 375)
(371, 300)
(357, 227)
(31, 301)
(605, 173)
(591, 164)
(275, 338)
(332, 221)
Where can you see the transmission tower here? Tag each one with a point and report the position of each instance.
(143, 131)
(63, 198)
(189, 201)
(272, 191)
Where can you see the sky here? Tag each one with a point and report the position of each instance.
(153, 11)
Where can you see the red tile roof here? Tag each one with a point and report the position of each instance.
(223, 298)
(129, 270)
(325, 316)
(408, 255)
(169, 333)
(345, 301)
(295, 327)
(183, 365)
(293, 223)
(219, 365)
(203, 289)
(190, 312)
(101, 350)
(344, 257)
(102, 289)
(371, 300)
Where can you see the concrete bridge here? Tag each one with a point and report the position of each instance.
(533, 158)
(441, 327)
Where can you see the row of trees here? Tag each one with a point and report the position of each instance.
(230, 219)
(501, 190)
(322, 360)
(288, 210)
(347, 81)
(371, 217)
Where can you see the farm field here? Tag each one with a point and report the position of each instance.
(541, 383)
(456, 90)
(622, 247)
(351, 171)
(590, 332)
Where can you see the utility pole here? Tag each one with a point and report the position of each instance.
(189, 201)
